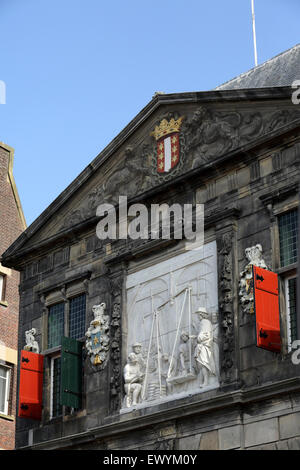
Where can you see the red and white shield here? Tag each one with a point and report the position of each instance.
(167, 152)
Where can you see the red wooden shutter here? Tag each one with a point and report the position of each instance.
(266, 301)
(31, 385)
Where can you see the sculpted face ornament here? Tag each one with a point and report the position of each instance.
(168, 146)
(97, 336)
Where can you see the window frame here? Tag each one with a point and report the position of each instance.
(55, 352)
(64, 324)
(287, 307)
(281, 214)
(284, 272)
(66, 329)
(3, 287)
(7, 390)
(52, 359)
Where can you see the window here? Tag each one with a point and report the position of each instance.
(288, 235)
(56, 324)
(55, 374)
(76, 320)
(65, 320)
(2, 286)
(291, 308)
(288, 242)
(4, 389)
(77, 317)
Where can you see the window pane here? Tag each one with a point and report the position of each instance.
(3, 389)
(292, 290)
(56, 406)
(288, 235)
(77, 317)
(56, 324)
(2, 287)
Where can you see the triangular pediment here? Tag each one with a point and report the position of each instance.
(197, 129)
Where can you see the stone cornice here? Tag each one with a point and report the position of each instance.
(279, 194)
(181, 408)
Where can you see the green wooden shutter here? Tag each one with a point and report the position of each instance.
(71, 372)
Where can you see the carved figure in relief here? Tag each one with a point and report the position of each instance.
(133, 378)
(204, 353)
(210, 133)
(130, 175)
(184, 353)
(137, 349)
(31, 343)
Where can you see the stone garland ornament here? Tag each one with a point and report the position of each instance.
(254, 257)
(115, 368)
(97, 336)
(226, 304)
(31, 343)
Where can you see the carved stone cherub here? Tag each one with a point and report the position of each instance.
(31, 343)
(254, 257)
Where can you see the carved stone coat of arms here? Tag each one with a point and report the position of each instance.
(97, 336)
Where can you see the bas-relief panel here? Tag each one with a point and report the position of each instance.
(172, 312)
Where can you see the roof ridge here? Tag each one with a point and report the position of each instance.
(257, 67)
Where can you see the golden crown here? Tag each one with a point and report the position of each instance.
(167, 127)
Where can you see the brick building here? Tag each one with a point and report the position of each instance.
(144, 343)
(12, 223)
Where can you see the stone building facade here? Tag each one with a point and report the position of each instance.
(170, 357)
(12, 223)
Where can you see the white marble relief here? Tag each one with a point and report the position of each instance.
(255, 258)
(172, 329)
(31, 343)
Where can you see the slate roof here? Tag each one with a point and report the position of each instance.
(279, 71)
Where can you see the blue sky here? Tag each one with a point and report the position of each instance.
(77, 71)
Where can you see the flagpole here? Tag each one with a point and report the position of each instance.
(254, 32)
